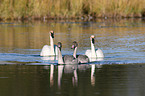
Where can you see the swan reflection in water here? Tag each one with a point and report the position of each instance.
(51, 75)
(93, 66)
(60, 72)
(92, 74)
(68, 69)
(72, 69)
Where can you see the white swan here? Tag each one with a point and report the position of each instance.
(66, 59)
(94, 52)
(49, 50)
(81, 58)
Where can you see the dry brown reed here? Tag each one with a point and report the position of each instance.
(18, 9)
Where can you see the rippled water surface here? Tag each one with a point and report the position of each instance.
(120, 73)
(121, 41)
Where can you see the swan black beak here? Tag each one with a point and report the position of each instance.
(52, 35)
(93, 40)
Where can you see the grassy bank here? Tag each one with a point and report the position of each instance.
(18, 9)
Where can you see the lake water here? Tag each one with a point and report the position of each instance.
(23, 72)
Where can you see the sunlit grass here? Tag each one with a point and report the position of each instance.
(17, 9)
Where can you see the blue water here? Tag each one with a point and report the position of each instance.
(118, 55)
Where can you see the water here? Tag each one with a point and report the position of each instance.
(122, 41)
(121, 73)
(68, 80)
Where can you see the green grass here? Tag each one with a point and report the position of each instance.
(18, 9)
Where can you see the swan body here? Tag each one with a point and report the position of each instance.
(67, 59)
(94, 52)
(81, 58)
(49, 50)
(98, 53)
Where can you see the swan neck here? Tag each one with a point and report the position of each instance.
(75, 52)
(60, 60)
(52, 45)
(60, 71)
(93, 50)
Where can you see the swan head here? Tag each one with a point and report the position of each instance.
(52, 34)
(92, 39)
(59, 45)
(75, 44)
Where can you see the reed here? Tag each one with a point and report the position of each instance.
(17, 9)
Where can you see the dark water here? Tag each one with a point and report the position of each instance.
(67, 80)
(121, 73)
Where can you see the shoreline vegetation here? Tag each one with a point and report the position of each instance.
(70, 9)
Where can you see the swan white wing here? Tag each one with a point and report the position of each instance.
(99, 53)
(46, 51)
(88, 53)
